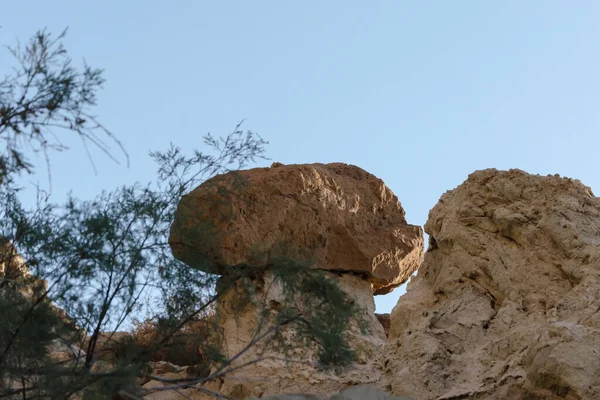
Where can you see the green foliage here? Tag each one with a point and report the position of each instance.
(46, 95)
(323, 311)
(98, 259)
(101, 256)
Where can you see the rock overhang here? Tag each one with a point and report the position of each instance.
(342, 217)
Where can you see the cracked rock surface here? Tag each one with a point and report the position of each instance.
(506, 303)
(347, 219)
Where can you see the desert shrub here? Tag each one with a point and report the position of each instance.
(97, 259)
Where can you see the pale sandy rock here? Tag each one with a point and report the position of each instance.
(12, 265)
(169, 394)
(385, 321)
(59, 346)
(108, 344)
(361, 392)
(344, 217)
(163, 367)
(506, 303)
(239, 325)
(13, 270)
(195, 371)
(173, 375)
(178, 394)
(153, 384)
(61, 356)
(102, 366)
(275, 376)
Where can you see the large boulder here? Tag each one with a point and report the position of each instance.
(506, 303)
(345, 218)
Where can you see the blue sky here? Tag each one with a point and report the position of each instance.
(418, 93)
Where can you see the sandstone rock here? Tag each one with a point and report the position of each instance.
(172, 394)
(385, 321)
(239, 325)
(344, 217)
(103, 366)
(108, 345)
(196, 371)
(12, 265)
(361, 392)
(506, 303)
(66, 354)
(153, 384)
(61, 356)
(163, 367)
(59, 346)
(275, 375)
(276, 379)
(14, 271)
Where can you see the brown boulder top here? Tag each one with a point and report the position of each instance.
(343, 217)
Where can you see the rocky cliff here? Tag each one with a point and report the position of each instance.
(348, 221)
(506, 303)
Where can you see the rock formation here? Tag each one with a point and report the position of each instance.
(12, 265)
(360, 392)
(506, 304)
(14, 272)
(346, 219)
(385, 321)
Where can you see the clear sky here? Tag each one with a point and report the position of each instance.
(418, 93)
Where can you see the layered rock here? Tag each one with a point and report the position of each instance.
(506, 303)
(345, 218)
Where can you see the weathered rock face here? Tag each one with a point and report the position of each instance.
(344, 217)
(362, 392)
(385, 321)
(506, 303)
(12, 265)
(239, 324)
(275, 375)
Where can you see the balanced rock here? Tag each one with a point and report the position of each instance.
(506, 303)
(343, 217)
